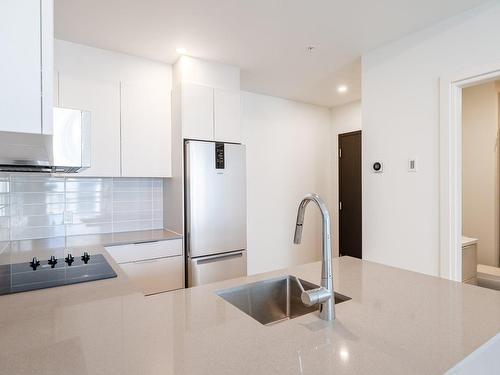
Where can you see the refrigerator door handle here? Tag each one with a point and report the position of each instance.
(220, 257)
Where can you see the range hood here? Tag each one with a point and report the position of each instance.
(67, 150)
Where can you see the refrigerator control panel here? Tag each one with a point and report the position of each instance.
(219, 156)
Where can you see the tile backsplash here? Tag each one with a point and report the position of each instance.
(39, 206)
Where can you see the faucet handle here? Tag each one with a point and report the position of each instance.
(315, 296)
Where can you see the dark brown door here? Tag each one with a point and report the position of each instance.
(350, 194)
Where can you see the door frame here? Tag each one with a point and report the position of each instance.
(339, 181)
(450, 179)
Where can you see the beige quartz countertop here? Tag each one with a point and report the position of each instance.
(23, 250)
(398, 322)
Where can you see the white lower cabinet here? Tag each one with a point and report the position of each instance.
(145, 250)
(156, 275)
(154, 267)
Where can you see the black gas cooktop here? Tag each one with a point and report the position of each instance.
(41, 274)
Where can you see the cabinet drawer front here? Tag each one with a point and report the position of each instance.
(146, 250)
(156, 275)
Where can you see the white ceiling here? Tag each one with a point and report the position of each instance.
(267, 39)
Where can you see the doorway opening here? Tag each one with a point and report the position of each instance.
(350, 210)
(469, 173)
(480, 184)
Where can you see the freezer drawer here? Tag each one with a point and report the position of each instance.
(214, 268)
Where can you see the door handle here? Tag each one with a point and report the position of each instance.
(218, 258)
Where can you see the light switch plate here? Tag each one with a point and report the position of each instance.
(412, 165)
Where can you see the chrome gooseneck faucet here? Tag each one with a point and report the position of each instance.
(324, 296)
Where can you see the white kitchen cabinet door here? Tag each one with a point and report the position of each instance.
(227, 116)
(146, 130)
(102, 99)
(47, 58)
(156, 275)
(197, 111)
(20, 89)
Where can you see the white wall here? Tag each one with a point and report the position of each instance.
(204, 72)
(480, 194)
(288, 155)
(345, 118)
(74, 58)
(401, 120)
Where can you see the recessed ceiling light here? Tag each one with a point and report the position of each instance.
(342, 89)
(311, 49)
(181, 50)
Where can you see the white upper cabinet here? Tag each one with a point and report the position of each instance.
(227, 115)
(129, 101)
(210, 114)
(207, 101)
(102, 99)
(197, 111)
(145, 130)
(26, 39)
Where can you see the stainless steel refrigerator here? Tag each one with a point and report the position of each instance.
(215, 211)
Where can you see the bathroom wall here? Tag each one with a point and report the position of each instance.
(480, 191)
(39, 206)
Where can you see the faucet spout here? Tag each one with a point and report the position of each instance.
(327, 301)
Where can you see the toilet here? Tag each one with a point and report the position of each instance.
(488, 276)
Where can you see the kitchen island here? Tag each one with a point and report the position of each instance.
(397, 322)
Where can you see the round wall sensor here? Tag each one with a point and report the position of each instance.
(377, 167)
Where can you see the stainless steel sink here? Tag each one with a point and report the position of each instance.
(272, 301)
